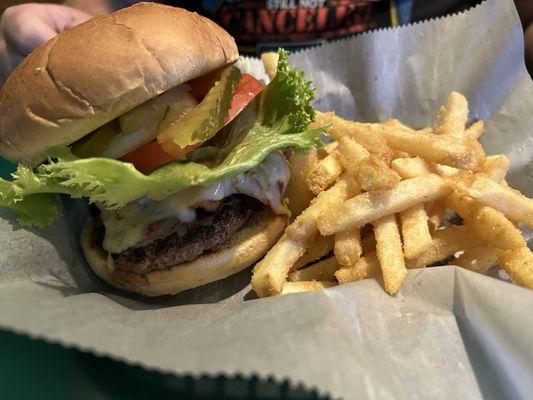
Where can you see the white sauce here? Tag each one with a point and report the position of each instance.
(266, 182)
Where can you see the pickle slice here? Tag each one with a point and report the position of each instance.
(174, 112)
(178, 130)
(97, 142)
(133, 120)
(153, 109)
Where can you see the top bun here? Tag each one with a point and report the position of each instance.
(96, 71)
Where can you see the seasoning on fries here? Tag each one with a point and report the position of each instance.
(405, 183)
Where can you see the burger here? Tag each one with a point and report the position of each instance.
(180, 154)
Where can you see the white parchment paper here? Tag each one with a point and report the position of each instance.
(449, 333)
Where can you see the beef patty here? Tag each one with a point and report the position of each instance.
(208, 233)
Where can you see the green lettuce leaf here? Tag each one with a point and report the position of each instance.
(281, 121)
(288, 97)
(35, 210)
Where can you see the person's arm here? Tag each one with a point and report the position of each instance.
(25, 27)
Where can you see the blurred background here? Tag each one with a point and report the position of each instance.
(8, 3)
(257, 25)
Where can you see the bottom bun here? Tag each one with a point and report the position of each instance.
(248, 245)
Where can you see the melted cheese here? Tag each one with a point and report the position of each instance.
(266, 182)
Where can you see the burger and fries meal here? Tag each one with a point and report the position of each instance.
(194, 169)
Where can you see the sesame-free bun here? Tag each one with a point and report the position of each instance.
(96, 71)
(247, 246)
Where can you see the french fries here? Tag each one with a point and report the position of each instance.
(348, 247)
(427, 130)
(351, 153)
(443, 149)
(367, 267)
(321, 271)
(303, 286)
(501, 234)
(399, 154)
(445, 243)
(385, 199)
(270, 62)
(371, 172)
(518, 263)
(370, 206)
(494, 228)
(374, 174)
(396, 123)
(460, 203)
(502, 198)
(270, 274)
(495, 167)
(410, 167)
(435, 211)
(306, 223)
(324, 173)
(389, 253)
(414, 221)
(477, 259)
(415, 231)
(298, 192)
(474, 131)
(318, 248)
(452, 117)
(364, 134)
(445, 170)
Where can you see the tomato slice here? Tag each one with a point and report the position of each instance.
(245, 91)
(201, 85)
(152, 155)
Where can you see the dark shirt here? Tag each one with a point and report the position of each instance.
(260, 25)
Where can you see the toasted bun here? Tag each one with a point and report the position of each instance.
(248, 245)
(96, 71)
